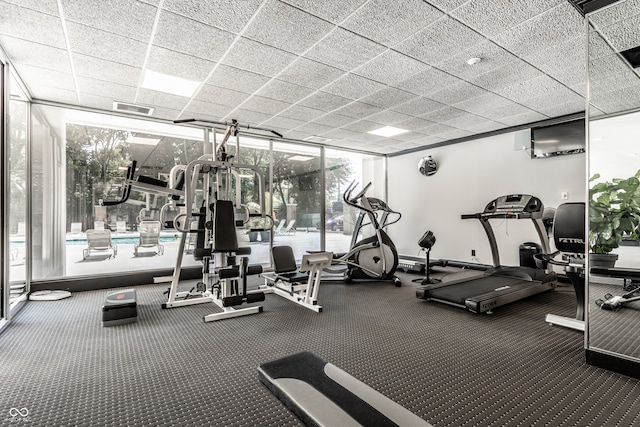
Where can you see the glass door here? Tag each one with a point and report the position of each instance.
(4, 265)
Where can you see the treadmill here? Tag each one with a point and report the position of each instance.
(498, 285)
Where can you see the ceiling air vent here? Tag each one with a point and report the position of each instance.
(317, 139)
(132, 108)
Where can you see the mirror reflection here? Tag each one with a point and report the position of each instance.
(614, 186)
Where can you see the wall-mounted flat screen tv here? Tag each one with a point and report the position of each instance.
(558, 139)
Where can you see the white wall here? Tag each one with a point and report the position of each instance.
(470, 175)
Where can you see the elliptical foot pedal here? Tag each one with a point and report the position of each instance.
(120, 308)
(321, 394)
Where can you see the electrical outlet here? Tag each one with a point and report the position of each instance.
(564, 195)
(473, 252)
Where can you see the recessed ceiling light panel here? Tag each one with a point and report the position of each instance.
(169, 84)
(388, 131)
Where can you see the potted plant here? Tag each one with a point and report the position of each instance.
(614, 213)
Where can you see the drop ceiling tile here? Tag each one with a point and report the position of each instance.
(521, 119)
(483, 103)
(427, 140)
(205, 110)
(564, 61)
(237, 79)
(622, 35)
(283, 91)
(487, 126)
(580, 89)
(359, 110)
(560, 96)
(388, 117)
(444, 114)
(490, 17)
(305, 72)
(616, 13)
(191, 37)
(510, 109)
(178, 64)
(49, 7)
(35, 54)
(130, 19)
(56, 79)
(50, 93)
(332, 11)
(20, 23)
(160, 99)
(418, 106)
(284, 123)
(390, 67)
(492, 57)
(340, 133)
(510, 74)
(101, 69)
(437, 129)
(101, 44)
(467, 121)
(264, 105)
(566, 108)
(287, 28)
(414, 124)
(294, 134)
(429, 81)
(597, 46)
(531, 88)
(457, 93)
(552, 27)
(344, 50)
(389, 97)
(115, 91)
(305, 114)
(226, 14)
(221, 96)
(258, 58)
(604, 68)
(443, 38)
(366, 138)
(334, 119)
(454, 134)
(447, 5)
(324, 101)
(100, 102)
(362, 126)
(248, 116)
(389, 22)
(353, 86)
(314, 128)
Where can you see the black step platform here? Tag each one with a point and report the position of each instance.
(321, 394)
(120, 308)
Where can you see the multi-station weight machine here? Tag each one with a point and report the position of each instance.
(217, 176)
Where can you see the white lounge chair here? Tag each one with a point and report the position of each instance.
(290, 229)
(76, 228)
(99, 241)
(98, 225)
(121, 226)
(149, 237)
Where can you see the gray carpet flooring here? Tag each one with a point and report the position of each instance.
(448, 366)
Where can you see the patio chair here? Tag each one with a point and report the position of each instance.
(98, 225)
(149, 237)
(289, 230)
(99, 241)
(121, 226)
(76, 228)
(280, 226)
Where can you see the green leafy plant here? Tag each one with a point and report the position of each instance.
(614, 212)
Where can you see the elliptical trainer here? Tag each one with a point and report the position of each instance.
(373, 257)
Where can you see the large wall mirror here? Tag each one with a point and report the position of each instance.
(614, 162)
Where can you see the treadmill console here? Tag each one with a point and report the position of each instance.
(514, 206)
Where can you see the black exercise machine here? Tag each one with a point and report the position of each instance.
(499, 285)
(321, 394)
(569, 239)
(631, 287)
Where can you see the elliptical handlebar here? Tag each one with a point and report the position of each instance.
(353, 201)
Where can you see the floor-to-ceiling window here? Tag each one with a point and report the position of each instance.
(342, 168)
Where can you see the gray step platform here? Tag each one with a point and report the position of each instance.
(321, 394)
